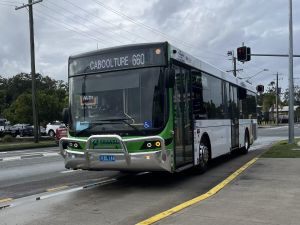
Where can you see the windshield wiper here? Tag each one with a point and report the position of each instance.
(124, 120)
(91, 126)
(110, 121)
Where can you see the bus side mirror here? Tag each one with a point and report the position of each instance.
(65, 115)
(170, 78)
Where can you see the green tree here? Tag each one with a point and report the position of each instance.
(16, 98)
(20, 110)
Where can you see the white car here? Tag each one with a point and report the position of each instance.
(51, 127)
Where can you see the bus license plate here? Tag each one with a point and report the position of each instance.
(107, 158)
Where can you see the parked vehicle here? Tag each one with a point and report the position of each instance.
(52, 126)
(21, 129)
(61, 132)
(42, 130)
(4, 124)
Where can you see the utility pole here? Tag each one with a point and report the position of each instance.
(234, 71)
(234, 64)
(291, 80)
(277, 98)
(33, 75)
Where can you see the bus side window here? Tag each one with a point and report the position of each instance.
(199, 109)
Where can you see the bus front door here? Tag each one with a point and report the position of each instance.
(182, 118)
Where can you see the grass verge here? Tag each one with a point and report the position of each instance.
(26, 145)
(283, 149)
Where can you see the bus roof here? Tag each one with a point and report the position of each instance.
(179, 55)
(117, 49)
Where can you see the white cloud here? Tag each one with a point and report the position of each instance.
(206, 28)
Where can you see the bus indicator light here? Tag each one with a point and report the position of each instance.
(157, 144)
(157, 51)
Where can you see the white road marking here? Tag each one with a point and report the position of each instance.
(27, 156)
(59, 193)
(104, 182)
(276, 128)
(50, 154)
(69, 171)
(13, 158)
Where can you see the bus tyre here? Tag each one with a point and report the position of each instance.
(203, 156)
(246, 144)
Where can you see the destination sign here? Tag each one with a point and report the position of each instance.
(125, 58)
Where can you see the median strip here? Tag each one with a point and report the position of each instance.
(198, 199)
(29, 156)
(57, 188)
(6, 200)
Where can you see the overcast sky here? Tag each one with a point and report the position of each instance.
(204, 28)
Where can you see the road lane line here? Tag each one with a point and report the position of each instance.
(73, 189)
(57, 188)
(51, 154)
(198, 199)
(31, 156)
(6, 200)
(100, 183)
(12, 158)
(59, 193)
(70, 171)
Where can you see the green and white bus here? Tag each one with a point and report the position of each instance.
(153, 107)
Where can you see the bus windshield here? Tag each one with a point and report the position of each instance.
(131, 102)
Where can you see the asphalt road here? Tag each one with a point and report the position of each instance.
(29, 172)
(124, 199)
(280, 131)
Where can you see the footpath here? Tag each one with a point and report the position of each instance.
(268, 192)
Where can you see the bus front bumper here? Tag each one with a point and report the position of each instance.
(150, 161)
(92, 159)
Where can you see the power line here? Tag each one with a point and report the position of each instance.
(139, 23)
(11, 2)
(107, 21)
(98, 32)
(67, 27)
(189, 45)
(85, 19)
(6, 4)
(94, 15)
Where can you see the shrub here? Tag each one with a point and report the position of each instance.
(8, 138)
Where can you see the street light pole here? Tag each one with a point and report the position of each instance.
(291, 80)
(277, 98)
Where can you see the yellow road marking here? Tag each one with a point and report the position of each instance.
(6, 200)
(200, 198)
(56, 188)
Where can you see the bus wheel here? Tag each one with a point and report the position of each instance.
(246, 144)
(203, 156)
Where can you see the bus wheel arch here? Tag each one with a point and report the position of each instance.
(204, 153)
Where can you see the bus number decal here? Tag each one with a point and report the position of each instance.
(138, 59)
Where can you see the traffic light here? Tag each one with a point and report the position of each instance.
(244, 54)
(260, 88)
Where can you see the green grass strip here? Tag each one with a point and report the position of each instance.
(283, 149)
(26, 145)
